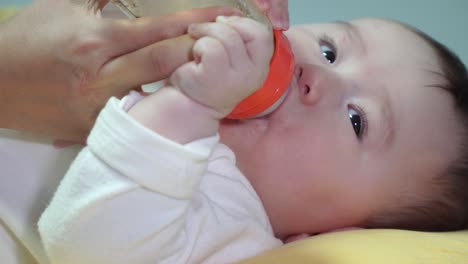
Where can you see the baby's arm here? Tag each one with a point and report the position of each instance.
(231, 62)
(125, 198)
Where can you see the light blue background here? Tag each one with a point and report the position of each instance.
(446, 20)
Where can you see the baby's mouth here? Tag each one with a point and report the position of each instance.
(280, 104)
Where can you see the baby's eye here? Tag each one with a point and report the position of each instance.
(358, 121)
(328, 51)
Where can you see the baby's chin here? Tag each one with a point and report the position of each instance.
(233, 131)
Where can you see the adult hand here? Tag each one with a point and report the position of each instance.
(277, 12)
(231, 61)
(60, 62)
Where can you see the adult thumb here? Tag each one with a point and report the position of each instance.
(149, 64)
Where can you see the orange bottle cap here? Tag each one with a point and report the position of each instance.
(275, 85)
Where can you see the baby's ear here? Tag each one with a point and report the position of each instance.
(293, 238)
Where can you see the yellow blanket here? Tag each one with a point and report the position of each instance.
(379, 246)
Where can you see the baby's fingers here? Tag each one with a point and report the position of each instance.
(230, 39)
(257, 38)
(210, 58)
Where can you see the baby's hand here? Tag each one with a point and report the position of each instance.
(231, 61)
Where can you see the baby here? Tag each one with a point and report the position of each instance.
(371, 134)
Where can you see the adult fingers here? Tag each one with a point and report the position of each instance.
(277, 12)
(129, 35)
(152, 63)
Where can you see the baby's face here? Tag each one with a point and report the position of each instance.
(360, 126)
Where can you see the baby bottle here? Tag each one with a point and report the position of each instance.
(268, 97)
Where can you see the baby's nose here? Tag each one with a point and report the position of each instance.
(308, 82)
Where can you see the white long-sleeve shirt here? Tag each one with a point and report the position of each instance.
(133, 196)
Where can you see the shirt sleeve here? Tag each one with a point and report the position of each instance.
(125, 197)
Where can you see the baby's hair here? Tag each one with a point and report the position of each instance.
(446, 208)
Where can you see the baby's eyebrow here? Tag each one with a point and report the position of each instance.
(353, 31)
(389, 122)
